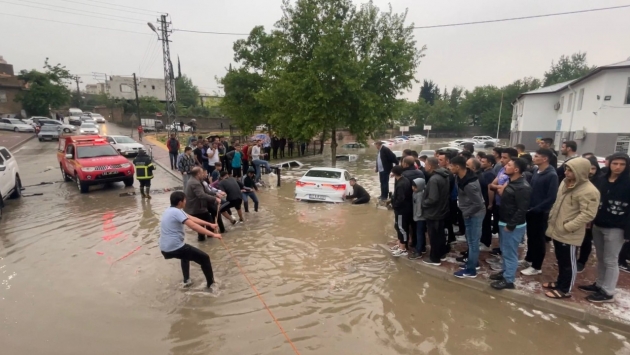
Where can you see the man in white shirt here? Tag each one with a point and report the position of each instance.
(213, 156)
(257, 161)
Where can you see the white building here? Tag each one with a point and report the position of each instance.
(121, 87)
(95, 89)
(593, 110)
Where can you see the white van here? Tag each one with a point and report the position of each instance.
(75, 112)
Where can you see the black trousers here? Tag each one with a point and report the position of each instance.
(401, 223)
(212, 210)
(450, 220)
(361, 200)
(495, 219)
(188, 253)
(290, 150)
(536, 244)
(236, 172)
(275, 152)
(587, 246)
(486, 229)
(245, 167)
(281, 151)
(567, 265)
(435, 228)
(205, 217)
(624, 254)
(145, 183)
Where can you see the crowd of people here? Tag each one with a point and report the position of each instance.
(527, 199)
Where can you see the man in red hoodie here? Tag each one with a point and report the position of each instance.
(245, 158)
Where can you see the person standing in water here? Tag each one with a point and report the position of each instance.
(172, 235)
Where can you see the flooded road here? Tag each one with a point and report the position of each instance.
(82, 274)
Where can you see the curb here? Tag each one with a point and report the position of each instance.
(13, 147)
(575, 312)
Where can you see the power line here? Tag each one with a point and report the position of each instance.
(152, 13)
(146, 52)
(76, 13)
(127, 7)
(211, 32)
(86, 11)
(522, 18)
(75, 24)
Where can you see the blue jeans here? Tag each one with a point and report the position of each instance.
(509, 241)
(257, 164)
(173, 159)
(383, 176)
(254, 198)
(421, 238)
(473, 236)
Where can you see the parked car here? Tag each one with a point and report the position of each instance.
(13, 124)
(457, 142)
(398, 154)
(98, 118)
(88, 119)
(10, 183)
(49, 132)
(176, 127)
(353, 145)
(417, 138)
(428, 152)
(397, 140)
(452, 150)
(323, 184)
(88, 128)
(91, 160)
(485, 138)
(47, 121)
(125, 145)
(404, 138)
(388, 143)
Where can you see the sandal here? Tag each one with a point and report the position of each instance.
(557, 294)
(549, 285)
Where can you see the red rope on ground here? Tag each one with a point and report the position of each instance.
(260, 298)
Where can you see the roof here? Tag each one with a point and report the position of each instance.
(551, 88)
(329, 169)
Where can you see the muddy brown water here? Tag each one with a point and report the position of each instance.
(82, 274)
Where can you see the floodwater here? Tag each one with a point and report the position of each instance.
(82, 274)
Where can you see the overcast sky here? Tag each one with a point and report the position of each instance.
(465, 56)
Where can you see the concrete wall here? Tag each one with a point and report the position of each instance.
(122, 87)
(537, 113)
(9, 88)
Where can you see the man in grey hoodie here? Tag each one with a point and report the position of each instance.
(435, 209)
(418, 186)
(471, 203)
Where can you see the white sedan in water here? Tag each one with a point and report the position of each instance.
(323, 184)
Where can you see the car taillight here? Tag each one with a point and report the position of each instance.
(302, 184)
(336, 187)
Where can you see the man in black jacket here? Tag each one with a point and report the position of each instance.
(403, 209)
(487, 177)
(569, 150)
(435, 209)
(385, 160)
(359, 195)
(611, 227)
(411, 173)
(234, 190)
(547, 143)
(199, 201)
(515, 196)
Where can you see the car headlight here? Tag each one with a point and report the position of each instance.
(125, 165)
(88, 169)
(82, 131)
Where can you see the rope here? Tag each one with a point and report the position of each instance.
(260, 297)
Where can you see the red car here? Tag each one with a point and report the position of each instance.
(91, 160)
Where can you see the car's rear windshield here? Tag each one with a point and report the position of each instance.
(324, 174)
(49, 128)
(96, 151)
(124, 140)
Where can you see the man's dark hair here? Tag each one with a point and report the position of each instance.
(187, 149)
(469, 147)
(520, 164)
(586, 155)
(409, 160)
(466, 154)
(528, 158)
(609, 158)
(397, 170)
(545, 152)
(406, 152)
(571, 144)
(200, 138)
(490, 158)
(217, 164)
(177, 197)
(481, 155)
(520, 147)
(548, 141)
(476, 164)
(224, 173)
(511, 152)
(459, 161)
(497, 150)
(446, 155)
(414, 154)
(433, 162)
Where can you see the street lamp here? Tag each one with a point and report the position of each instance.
(152, 27)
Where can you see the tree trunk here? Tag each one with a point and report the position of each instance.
(321, 142)
(333, 146)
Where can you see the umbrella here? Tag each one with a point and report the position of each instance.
(264, 137)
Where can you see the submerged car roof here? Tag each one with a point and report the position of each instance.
(329, 169)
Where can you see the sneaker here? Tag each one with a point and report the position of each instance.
(413, 255)
(483, 247)
(460, 238)
(443, 258)
(462, 274)
(589, 288)
(580, 268)
(530, 271)
(187, 283)
(497, 277)
(496, 267)
(461, 259)
(524, 263)
(464, 266)
(394, 248)
(494, 259)
(624, 267)
(429, 262)
(502, 285)
(600, 297)
(400, 252)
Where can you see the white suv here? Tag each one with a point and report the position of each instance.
(10, 184)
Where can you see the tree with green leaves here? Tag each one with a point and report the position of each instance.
(187, 92)
(568, 68)
(429, 92)
(46, 90)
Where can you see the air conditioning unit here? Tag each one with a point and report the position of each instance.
(556, 106)
(579, 135)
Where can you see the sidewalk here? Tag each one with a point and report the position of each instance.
(529, 291)
(12, 140)
(160, 155)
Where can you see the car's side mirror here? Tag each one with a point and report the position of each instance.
(68, 156)
(3, 168)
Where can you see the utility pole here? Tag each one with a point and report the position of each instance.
(135, 86)
(500, 109)
(169, 77)
(77, 79)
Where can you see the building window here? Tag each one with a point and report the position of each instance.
(153, 87)
(628, 93)
(622, 144)
(126, 88)
(570, 106)
(580, 99)
(3, 96)
(561, 104)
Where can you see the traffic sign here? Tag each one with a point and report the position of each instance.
(427, 127)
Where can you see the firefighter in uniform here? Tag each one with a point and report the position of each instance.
(144, 172)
